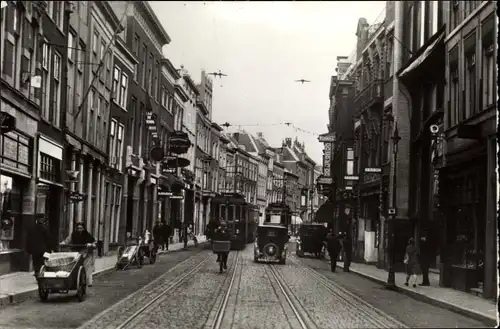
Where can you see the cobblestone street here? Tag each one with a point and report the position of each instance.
(190, 292)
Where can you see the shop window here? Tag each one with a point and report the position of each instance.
(7, 211)
(49, 168)
(15, 151)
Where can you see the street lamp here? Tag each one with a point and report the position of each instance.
(391, 282)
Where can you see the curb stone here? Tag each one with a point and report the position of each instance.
(487, 319)
(19, 297)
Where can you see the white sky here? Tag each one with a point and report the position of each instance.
(263, 47)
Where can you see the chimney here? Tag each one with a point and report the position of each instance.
(288, 142)
(260, 135)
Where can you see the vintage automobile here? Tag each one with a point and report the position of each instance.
(312, 240)
(271, 243)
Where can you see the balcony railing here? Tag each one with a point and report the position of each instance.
(370, 94)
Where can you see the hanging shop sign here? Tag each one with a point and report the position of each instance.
(327, 159)
(156, 153)
(327, 138)
(164, 193)
(179, 142)
(177, 197)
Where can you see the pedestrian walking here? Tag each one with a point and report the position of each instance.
(167, 232)
(425, 257)
(412, 263)
(84, 240)
(334, 247)
(222, 234)
(158, 235)
(347, 246)
(39, 241)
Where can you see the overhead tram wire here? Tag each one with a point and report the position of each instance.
(101, 64)
(288, 124)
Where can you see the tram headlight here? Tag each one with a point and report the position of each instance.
(237, 231)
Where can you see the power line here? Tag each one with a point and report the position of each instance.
(288, 124)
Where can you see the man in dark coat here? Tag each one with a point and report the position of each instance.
(425, 257)
(222, 234)
(334, 247)
(158, 234)
(347, 246)
(167, 231)
(39, 241)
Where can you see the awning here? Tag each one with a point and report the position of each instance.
(422, 57)
(325, 213)
(296, 220)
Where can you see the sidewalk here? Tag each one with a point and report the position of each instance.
(458, 301)
(18, 286)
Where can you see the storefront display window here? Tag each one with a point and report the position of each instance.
(9, 209)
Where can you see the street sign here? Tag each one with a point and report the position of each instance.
(392, 211)
(373, 170)
(178, 197)
(325, 180)
(351, 177)
(328, 138)
(163, 193)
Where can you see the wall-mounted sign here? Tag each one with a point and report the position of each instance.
(327, 138)
(177, 197)
(325, 180)
(164, 193)
(373, 170)
(351, 177)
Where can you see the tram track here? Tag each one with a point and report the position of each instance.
(375, 317)
(301, 315)
(117, 316)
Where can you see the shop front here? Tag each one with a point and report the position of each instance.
(468, 205)
(49, 188)
(17, 190)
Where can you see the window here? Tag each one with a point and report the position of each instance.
(133, 109)
(117, 216)
(79, 56)
(488, 78)
(454, 105)
(57, 13)
(57, 90)
(57, 66)
(150, 75)
(111, 147)
(71, 41)
(434, 17)
(95, 42)
(91, 118)
(103, 49)
(108, 68)
(119, 146)
(421, 30)
(390, 52)
(470, 76)
(123, 91)
(455, 14)
(135, 45)
(143, 67)
(99, 111)
(116, 81)
(411, 19)
(155, 83)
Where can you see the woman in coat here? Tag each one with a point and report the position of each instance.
(82, 237)
(412, 263)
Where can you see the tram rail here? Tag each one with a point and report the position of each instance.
(376, 317)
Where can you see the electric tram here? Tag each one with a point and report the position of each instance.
(278, 213)
(242, 217)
